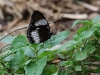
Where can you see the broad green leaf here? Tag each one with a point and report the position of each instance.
(77, 22)
(31, 68)
(19, 41)
(55, 73)
(35, 68)
(80, 55)
(78, 68)
(67, 63)
(56, 39)
(8, 39)
(96, 19)
(28, 52)
(85, 22)
(90, 48)
(64, 72)
(68, 44)
(50, 70)
(77, 37)
(18, 60)
(97, 33)
(86, 34)
(97, 25)
(45, 53)
(50, 54)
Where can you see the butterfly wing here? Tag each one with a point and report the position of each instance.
(39, 30)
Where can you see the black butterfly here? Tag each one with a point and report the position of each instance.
(39, 30)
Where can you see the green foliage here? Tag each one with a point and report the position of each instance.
(76, 56)
(31, 59)
(35, 68)
(8, 39)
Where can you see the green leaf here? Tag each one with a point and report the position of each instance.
(80, 55)
(86, 34)
(64, 72)
(68, 44)
(86, 22)
(18, 60)
(50, 54)
(77, 22)
(19, 41)
(56, 39)
(78, 68)
(66, 63)
(90, 48)
(28, 52)
(97, 33)
(35, 68)
(50, 70)
(77, 37)
(45, 53)
(97, 25)
(8, 39)
(82, 29)
(96, 19)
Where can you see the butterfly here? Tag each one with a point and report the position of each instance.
(38, 30)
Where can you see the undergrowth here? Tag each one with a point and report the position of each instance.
(79, 56)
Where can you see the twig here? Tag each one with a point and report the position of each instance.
(12, 32)
(75, 16)
(91, 7)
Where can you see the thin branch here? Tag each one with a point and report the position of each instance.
(12, 32)
(86, 5)
(75, 16)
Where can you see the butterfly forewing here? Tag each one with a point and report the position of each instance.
(39, 30)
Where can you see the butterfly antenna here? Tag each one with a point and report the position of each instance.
(56, 19)
(12, 32)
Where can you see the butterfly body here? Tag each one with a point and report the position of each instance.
(39, 30)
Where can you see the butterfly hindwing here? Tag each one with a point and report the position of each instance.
(39, 30)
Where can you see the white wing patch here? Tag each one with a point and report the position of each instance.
(35, 36)
(41, 22)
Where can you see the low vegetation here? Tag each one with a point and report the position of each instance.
(79, 56)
